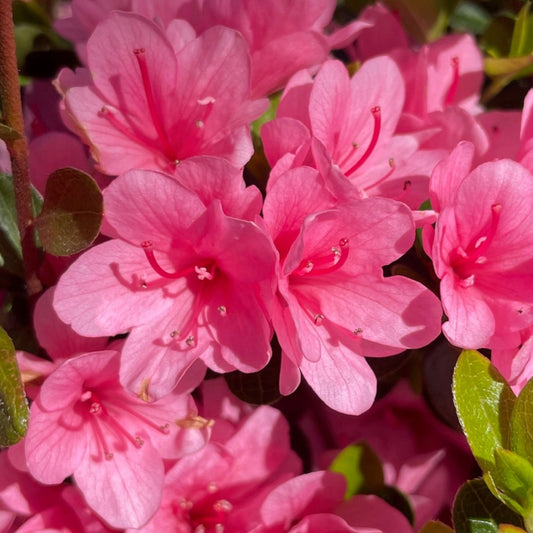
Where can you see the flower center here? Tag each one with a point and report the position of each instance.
(209, 514)
(466, 261)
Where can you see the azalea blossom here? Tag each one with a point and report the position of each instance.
(355, 119)
(160, 98)
(84, 424)
(188, 282)
(482, 249)
(333, 306)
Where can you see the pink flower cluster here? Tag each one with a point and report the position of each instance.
(196, 272)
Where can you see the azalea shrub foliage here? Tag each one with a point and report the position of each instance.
(285, 268)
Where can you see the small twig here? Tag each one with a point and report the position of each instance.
(18, 148)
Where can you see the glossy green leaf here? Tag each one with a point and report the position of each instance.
(72, 212)
(522, 423)
(522, 40)
(436, 527)
(10, 250)
(13, 404)
(477, 510)
(361, 467)
(470, 17)
(506, 66)
(484, 402)
(513, 477)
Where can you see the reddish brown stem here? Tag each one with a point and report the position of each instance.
(18, 148)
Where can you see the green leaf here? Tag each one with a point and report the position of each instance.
(470, 18)
(522, 40)
(513, 478)
(436, 527)
(361, 467)
(72, 212)
(10, 250)
(484, 402)
(522, 423)
(9, 134)
(477, 510)
(506, 66)
(13, 404)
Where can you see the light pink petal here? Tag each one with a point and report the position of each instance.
(448, 175)
(241, 328)
(340, 378)
(214, 178)
(470, 321)
(56, 443)
(317, 492)
(377, 83)
(373, 512)
(123, 33)
(282, 135)
(289, 53)
(394, 313)
(103, 292)
(124, 490)
(115, 150)
(144, 205)
(57, 338)
(284, 212)
(329, 103)
(152, 361)
(327, 522)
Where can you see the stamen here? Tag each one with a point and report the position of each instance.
(455, 82)
(195, 421)
(318, 319)
(147, 247)
(152, 108)
(376, 114)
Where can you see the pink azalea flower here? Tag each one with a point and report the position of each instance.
(482, 249)
(421, 456)
(333, 305)
(355, 119)
(154, 101)
(221, 487)
(283, 37)
(314, 503)
(84, 424)
(187, 281)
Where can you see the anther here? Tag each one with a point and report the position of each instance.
(108, 456)
(189, 341)
(203, 273)
(358, 332)
(212, 487)
(343, 242)
(318, 319)
(222, 310)
(139, 442)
